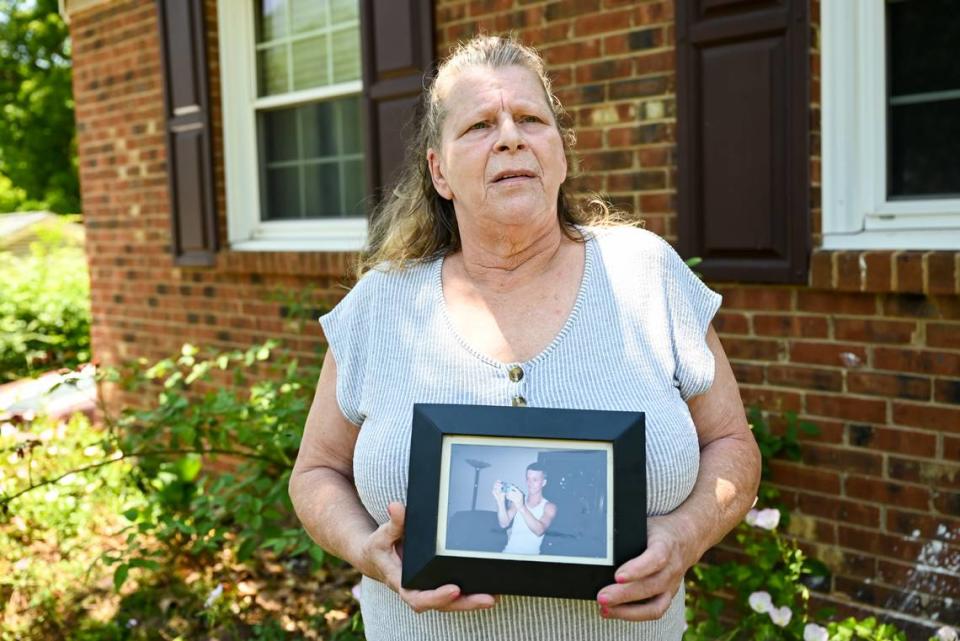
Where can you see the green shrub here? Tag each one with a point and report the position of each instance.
(44, 310)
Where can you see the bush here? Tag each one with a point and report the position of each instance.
(44, 310)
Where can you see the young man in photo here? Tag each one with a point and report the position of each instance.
(536, 512)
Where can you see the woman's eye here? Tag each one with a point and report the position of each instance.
(478, 125)
(530, 119)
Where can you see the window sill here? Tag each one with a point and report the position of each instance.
(886, 271)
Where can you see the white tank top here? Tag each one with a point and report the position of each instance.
(522, 539)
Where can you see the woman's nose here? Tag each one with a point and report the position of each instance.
(510, 138)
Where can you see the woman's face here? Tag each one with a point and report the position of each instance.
(501, 157)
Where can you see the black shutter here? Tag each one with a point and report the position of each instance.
(743, 133)
(398, 50)
(189, 153)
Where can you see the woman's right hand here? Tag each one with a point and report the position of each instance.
(382, 561)
(498, 491)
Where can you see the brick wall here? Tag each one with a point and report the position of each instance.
(869, 351)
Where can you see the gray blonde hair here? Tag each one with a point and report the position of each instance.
(414, 222)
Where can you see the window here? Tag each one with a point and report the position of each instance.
(293, 136)
(891, 119)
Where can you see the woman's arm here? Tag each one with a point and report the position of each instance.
(325, 499)
(725, 490)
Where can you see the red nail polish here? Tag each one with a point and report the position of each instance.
(603, 600)
(604, 611)
(620, 578)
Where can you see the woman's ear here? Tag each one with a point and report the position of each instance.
(436, 174)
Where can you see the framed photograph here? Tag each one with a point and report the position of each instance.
(521, 500)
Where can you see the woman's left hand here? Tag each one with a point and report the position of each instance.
(647, 584)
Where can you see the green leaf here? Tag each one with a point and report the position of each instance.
(120, 576)
(188, 467)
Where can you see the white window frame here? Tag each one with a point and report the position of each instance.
(856, 211)
(238, 87)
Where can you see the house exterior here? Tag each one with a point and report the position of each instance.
(229, 149)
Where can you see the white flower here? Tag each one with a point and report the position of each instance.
(814, 632)
(132, 623)
(946, 633)
(214, 596)
(760, 602)
(767, 519)
(781, 616)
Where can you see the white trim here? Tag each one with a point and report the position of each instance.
(245, 230)
(856, 211)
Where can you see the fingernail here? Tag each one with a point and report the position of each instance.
(603, 600)
(604, 611)
(620, 578)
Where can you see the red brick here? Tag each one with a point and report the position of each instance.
(941, 273)
(821, 269)
(942, 583)
(747, 373)
(790, 325)
(848, 407)
(657, 157)
(930, 417)
(607, 160)
(771, 399)
(825, 353)
(879, 271)
(571, 8)
(909, 268)
(878, 491)
(947, 502)
(951, 448)
(943, 335)
(836, 303)
(805, 478)
(897, 385)
(874, 331)
(731, 323)
(842, 459)
(947, 391)
(894, 547)
(933, 473)
(806, 377)
(848, 271)
(915, 360)
(603, 70)
(911, 305)
(654, 12)
(755, 349)
(853, 512)
(603, 22)
(655, 203)
(924, 525)
(909, 442)
(766, 299)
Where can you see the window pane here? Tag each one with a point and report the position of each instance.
(323, 190)
(922, 46)
(272, 68)
(344, 10)
(346, 55)
(310, 63)
(271, 19)
(279, 135)
(923, 149)
(351, 130)
(311, 160)
(308, 15)
(282, 194)
(354, 189)
(319, 130)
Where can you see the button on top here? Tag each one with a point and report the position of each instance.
(515, 373)
(519, 401)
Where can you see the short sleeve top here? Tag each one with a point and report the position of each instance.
(635, 340)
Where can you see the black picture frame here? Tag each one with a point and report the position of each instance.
(425, 568)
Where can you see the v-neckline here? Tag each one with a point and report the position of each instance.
(553, 344)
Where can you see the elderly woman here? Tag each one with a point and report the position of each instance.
(483, 285)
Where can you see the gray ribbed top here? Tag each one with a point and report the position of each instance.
(634, 341)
